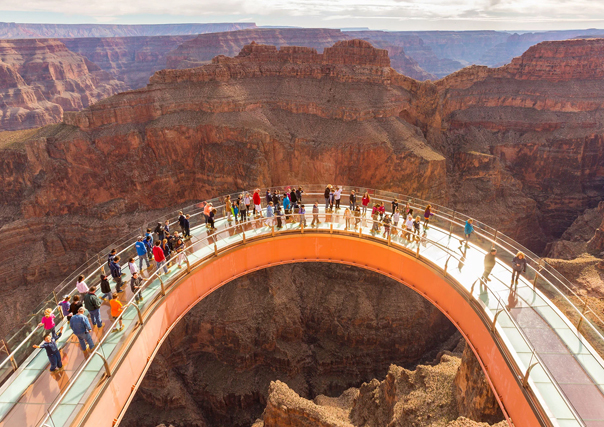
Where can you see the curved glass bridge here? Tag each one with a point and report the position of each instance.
(539, 344)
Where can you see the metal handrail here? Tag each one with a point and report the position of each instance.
(379, 195)
(207, 240)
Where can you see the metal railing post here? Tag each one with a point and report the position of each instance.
(161, 283)
(447, 265)
(215, 249)
(244, 237)
(57, 303)
(273, 230)
(583, 310)
(451, 224)
(302, 227)
(417, 251)
(331, 227)
(389, 239)
(107, 368)
(5, 348)
(472, 288)
(495, 319)
(526, 375)
(138, 310)
(188, 263)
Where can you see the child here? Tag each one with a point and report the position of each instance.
(132, 266)
(48, 321)
(116, 310)
(52, 351)
(65, 305)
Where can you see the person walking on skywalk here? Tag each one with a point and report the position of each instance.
(81, 329)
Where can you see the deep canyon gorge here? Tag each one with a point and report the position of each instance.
(281, 335)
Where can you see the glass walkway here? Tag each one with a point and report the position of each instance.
(553, 340)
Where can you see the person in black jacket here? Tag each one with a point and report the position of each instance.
(106, 288)
(74, 307)
(489, 263)
(93, 305)
(353, 201)
(326, 195)
(518, 266)
(187, 227)
(293, 197)
(116, 273)
(181, 221)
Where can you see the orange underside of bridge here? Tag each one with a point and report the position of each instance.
(241, 260)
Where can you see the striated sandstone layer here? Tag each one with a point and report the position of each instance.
(41, 78)
(319, 328)
(529, 132)
(205, 47)
(132, 60)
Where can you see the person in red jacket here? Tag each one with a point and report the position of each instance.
(160, 258)
(257, 202)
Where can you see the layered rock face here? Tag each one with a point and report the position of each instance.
(205, 47)
(516, 44)
(132, 60)
(40, 79)
(319, 328)
(529, 132)
(12, 30)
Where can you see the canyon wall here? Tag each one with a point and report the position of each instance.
(205, 47)
(13, 30)
(41, 78)
(132, 60)
(319, 328)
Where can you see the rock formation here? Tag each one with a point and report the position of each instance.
(132, 60)
(205, 47)
(320, 329)
(41, 78)
(13, 30)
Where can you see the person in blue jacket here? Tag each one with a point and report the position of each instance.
(468, 230)
(81, 329)
(141, 251)
(52, 350)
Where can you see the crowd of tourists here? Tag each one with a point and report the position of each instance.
(161, 246)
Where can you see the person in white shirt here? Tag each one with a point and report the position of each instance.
(409, 225)
(81, 286)
(132, 266)
(337, 196)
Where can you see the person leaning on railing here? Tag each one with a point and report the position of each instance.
(52, 350)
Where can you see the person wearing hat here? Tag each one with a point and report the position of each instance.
(105, 287)
(141, 251)
(65, 304)
(489, 263)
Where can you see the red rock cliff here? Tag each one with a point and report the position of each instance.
(41, 78)
(205, 47)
